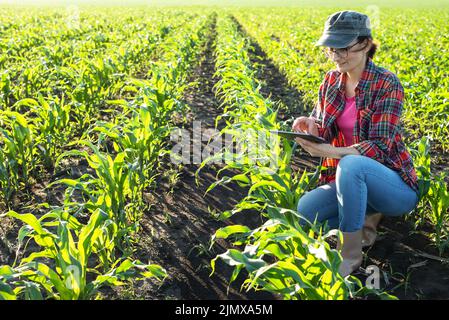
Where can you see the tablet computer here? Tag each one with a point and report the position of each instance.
(292, 135)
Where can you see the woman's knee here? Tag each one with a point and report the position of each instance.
(350, 164)
(319, 203)
(303, 206)
(307, 207)
(316, 204)
(349, 161)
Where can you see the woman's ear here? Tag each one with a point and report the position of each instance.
(369, 44)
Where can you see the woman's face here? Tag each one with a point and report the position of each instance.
(355, 56)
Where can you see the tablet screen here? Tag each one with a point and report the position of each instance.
(292, 135)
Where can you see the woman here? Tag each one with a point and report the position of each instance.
(368, 168)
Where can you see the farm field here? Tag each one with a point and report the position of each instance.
(117, 181)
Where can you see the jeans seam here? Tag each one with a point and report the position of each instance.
(323, 206)
(374, 173)
(402, 188)
(329, 202)
(361, 209)
(406, 188)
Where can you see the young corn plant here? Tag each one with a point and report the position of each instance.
(9, 181)
(114, 188)
(5, 89)
(66, 267)
(17, 153)
(12, 287)
(140, 138)
(51, 117)
(433, 193)
(114, 184)
(439, 203)
(420, 151)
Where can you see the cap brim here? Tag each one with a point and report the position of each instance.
(336, 40)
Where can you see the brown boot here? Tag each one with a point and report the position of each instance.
(351, 252)
(369, 233)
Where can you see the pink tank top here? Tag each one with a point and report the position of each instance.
(346, 120)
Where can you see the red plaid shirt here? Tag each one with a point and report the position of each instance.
(377, 132)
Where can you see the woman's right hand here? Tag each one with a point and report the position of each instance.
(305, 124)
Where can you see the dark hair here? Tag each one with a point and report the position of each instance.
(373, 48)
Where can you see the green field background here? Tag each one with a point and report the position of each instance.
(243, 3)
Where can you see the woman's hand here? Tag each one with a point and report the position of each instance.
(308, 125)
(305, 124)
(317, 149)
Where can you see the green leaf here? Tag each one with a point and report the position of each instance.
(224, 233)
(29, 219)
(6, 292)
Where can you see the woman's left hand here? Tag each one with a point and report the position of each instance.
(316, 149)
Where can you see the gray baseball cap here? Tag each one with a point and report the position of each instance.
(343, 27)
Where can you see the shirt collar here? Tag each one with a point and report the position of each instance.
(365, 79)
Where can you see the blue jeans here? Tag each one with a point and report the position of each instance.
(362, 186)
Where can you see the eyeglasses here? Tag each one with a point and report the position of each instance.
(343, 52)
